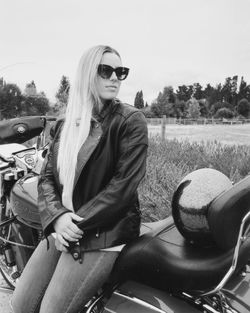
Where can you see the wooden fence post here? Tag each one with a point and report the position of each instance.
(163, 126)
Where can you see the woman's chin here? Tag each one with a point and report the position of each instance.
(108, 98)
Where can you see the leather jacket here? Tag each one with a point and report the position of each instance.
(110, 165)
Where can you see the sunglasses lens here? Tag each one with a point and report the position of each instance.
(105, 71)
(122, 72)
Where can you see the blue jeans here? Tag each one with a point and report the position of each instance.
(53, 282)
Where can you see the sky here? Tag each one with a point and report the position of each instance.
(163, 42)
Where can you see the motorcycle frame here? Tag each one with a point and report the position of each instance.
(241, 238)
(217, 295)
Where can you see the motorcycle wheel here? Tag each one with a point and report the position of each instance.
(7, 279)
(21, 257)
(5, 271)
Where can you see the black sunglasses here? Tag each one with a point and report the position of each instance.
(106, 71)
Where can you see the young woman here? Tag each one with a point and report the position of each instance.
(87, 190)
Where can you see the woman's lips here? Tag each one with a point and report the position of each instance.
(111, 87)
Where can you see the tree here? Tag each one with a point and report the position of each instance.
(184, 92)
(170, 94)
(62, 94)
(164, 103)
(30, 89)
(35, 105)
(147, 112)
(156, 109)
(229, 90)
(198, 93)
(181, 109)
(243, 108)
(204, 109)
(193, 108)
(244, 90)
(10, 101)
(139, 102)
(213, 94)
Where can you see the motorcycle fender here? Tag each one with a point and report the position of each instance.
(138, 298)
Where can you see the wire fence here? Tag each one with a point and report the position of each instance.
(200, 121)
(162, 123)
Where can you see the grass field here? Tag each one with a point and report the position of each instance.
(225, 134)
(186, 148)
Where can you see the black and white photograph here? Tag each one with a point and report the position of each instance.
(125, 156)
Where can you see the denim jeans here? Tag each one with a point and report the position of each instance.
(53, 282)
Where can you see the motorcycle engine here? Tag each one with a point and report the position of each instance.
(191, 201)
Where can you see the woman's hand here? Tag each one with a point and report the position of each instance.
(65, 228)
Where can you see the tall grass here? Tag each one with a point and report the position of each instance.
(170, 160)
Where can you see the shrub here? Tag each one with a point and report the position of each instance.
(243, 107)
(224, 113)
(170, 160)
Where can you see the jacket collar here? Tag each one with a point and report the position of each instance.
(107, 109)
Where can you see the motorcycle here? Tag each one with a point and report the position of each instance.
(161, 271)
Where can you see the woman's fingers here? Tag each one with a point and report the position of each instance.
(66, 229)
(73, 234)
(76, 229)
(59, 246)
(76, 217)
(73, 226)
(69, 237)
(62, 240)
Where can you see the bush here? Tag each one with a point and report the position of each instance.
(243, 107)
(224, 113)
(170, 160)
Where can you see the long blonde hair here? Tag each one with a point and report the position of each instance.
(83, 99)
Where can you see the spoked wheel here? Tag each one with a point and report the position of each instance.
(6, 271)
(13, 257)
(7, 275)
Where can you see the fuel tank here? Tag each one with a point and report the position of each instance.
(23, 200)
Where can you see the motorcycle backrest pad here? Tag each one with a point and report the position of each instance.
(226, 212)
(19, 130)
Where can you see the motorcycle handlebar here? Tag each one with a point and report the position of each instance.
(19, 130)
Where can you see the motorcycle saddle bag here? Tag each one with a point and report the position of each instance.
(24, 201)
(166, 260)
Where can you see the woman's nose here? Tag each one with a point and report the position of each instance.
(113, 76)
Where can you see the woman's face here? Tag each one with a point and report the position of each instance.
(108, 88)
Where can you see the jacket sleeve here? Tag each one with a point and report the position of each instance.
(119, 194)
(49, 199)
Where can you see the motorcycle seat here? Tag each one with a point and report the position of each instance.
(166, 260)
(169, 262)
